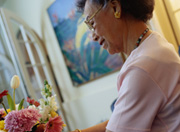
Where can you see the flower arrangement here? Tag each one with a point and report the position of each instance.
(39, 116)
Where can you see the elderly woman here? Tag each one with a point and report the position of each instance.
(149, 82)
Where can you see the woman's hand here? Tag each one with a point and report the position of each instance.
(97, 128)
(77, 130)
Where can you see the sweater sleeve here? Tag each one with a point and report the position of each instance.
(139, 100)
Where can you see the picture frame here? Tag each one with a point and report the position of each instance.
(85, 59)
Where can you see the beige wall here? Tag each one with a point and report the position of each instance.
(173, 9)
(164, 23)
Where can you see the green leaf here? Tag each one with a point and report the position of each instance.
(45, 82)
(46, 103)
(1, 100)
(10, 102)
(21, 104)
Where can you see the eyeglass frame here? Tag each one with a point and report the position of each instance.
(88, 19)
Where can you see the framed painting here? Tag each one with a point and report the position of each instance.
(85, 59)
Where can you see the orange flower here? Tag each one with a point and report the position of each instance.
(36, 103)
(54, 125)
(40, 128)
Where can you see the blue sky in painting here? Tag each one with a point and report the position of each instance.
(61, 8)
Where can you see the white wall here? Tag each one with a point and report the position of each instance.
(85, 105)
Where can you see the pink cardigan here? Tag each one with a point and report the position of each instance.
(148, 89)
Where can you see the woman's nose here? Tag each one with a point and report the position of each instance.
(95, 37)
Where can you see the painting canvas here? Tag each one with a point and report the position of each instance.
(85, 59)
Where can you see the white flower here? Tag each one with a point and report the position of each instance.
(15, 82)
(17, 105)
(42, 104)
(43, 92)
(52, 102)
(45, 113)
(32, 107)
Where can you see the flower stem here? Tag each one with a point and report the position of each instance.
(4, 108)
(14, 99)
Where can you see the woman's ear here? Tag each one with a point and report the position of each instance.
(117, 8)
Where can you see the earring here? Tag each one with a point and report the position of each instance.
(117, 14)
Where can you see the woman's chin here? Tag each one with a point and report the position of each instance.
(111, 52)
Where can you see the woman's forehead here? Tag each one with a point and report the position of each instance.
(90, 8)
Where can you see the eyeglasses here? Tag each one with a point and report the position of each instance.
(88, 19)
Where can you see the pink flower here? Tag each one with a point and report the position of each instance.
(54, 125)
(23, 120)
(2, 113)
(4, 93)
